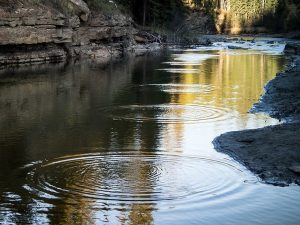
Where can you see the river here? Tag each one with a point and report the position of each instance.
(130, 142)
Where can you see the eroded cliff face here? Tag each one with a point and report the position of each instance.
(37, 33)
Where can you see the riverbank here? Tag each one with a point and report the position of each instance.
(272, 152)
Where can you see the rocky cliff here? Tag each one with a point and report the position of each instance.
(35, 32)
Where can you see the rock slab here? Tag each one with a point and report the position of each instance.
(272, 153)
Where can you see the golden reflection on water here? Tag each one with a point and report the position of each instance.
(237, 81)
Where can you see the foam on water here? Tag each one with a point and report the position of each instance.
(266, 47)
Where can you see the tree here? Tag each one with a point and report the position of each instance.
(159, 13)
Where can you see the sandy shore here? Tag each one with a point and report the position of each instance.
(273, 153)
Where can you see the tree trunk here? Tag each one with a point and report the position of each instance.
(144, 13)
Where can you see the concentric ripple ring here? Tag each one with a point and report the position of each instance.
(133, 178)
(169, 113)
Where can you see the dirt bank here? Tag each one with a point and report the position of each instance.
(273, 153)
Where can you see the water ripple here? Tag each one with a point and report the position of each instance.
(169, 113)
(124, 178)
(180, 70)
(180, 88)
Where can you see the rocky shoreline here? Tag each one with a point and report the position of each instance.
(273, 152)
(39, 33)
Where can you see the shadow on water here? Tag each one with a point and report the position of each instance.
(130, 143)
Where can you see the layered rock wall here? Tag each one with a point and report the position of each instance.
(37, 33)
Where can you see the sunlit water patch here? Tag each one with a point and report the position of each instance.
(179, 70)
(193, 58)
(187, 62)
(180, 88)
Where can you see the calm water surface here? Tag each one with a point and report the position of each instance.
(130, 143)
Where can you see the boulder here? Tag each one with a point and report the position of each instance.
(79, 8)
